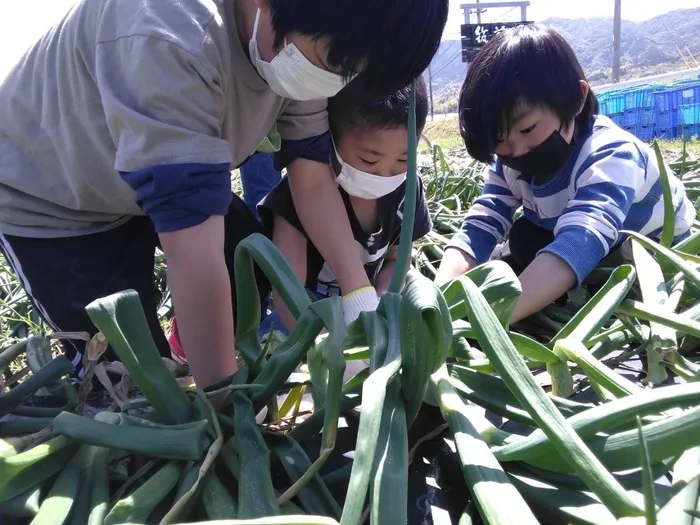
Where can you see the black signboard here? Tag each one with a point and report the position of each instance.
(474, 36)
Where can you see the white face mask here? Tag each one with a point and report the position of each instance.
(291, 75)
(365, 185)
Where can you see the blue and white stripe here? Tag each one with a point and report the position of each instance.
(610, 183)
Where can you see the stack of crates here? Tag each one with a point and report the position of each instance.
(655, 110)
(631, 109)
(689, 117)
(612, 104)
(639, 112)
(668, 104)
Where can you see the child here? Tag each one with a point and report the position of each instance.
(579, 178)
(121, 123)
(370, 138)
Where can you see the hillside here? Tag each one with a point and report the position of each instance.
(648, 47)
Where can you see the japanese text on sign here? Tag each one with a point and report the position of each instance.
(474, 36)
(482, 33)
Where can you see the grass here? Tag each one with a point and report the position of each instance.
(692, 146)
(444, 133)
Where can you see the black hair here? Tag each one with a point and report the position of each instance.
(529, 63)
(351, 108)
(389, 42)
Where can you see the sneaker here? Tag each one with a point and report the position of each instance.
(176, 351)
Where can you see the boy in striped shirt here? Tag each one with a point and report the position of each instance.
(527, 110)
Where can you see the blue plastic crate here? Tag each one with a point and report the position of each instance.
(666, 118)
(689, 114)
(615, 103)
(647, 117)
(638, 117)
(629, 117)
(645, 133)
(639, 97)
(687, 132)
(605, 108)
(668, 133)
(677, 95)
(617, 118)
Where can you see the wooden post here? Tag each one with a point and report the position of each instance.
(617, 31)
(430, 83)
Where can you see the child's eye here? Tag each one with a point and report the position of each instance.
(528, 130)
(367, 161)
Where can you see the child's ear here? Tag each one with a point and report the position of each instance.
(585, 88)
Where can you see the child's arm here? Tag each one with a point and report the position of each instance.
(544, 281)
(384, 277)
(455, 262)
(202, 299)
(605, 188)
(318, 202)
(322, 214)
(486, 224)
(292, 245)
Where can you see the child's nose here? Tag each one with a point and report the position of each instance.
(513, 149)
(520, 151)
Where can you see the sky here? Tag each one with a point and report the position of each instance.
(21, 21)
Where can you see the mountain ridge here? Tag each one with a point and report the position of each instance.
(647, 48)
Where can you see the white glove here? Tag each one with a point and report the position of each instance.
(358, 301)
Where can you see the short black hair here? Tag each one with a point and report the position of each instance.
(352, 107)
(389, 41)
(529, 63)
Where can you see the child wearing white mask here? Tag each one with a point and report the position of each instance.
(370, 138)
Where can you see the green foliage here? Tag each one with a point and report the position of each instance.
(170, 457)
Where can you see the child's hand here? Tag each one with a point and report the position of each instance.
(454, 263)
(358, 301)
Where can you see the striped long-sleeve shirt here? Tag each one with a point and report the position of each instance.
(611, 182)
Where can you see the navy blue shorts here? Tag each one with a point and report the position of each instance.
(63, 275)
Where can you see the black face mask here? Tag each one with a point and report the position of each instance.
(542, 162)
